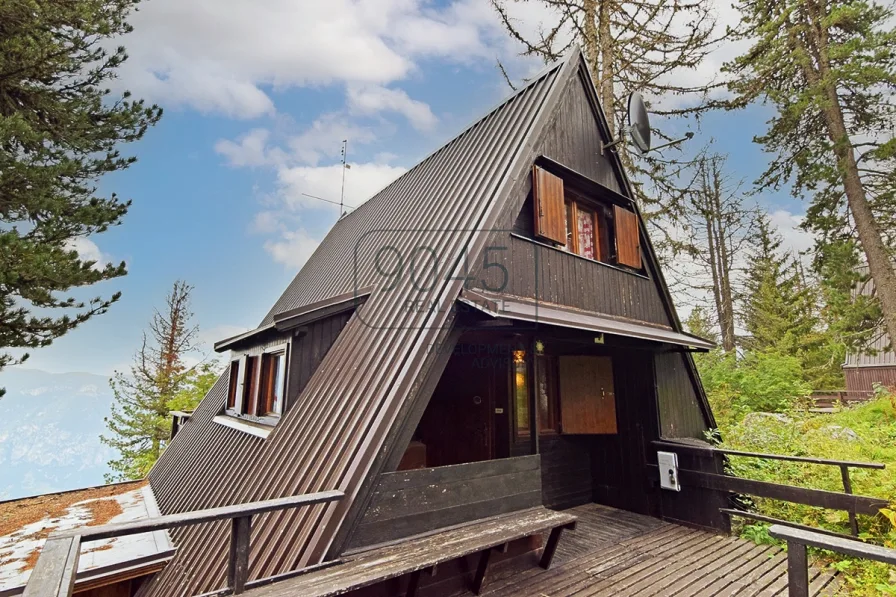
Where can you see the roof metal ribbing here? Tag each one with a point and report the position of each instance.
(329, 438)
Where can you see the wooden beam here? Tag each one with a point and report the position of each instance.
(675, 445)
(413, 583)
(547, 556)
(238, 563)
(797, 570)
(798, 495)
(479, 579)
(171, 521)
(849, 547)
(57, 565)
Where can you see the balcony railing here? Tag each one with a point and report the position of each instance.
(56, 568)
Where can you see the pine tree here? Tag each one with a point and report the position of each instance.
(829, 67)
(59, 132)
(139, 424)
(781, 311)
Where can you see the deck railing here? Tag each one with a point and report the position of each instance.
(56, 568)
(846, 501)
(797, 564)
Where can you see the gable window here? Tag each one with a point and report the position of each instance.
(589, 228)
(258, 385)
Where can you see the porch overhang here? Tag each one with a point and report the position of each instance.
(540, 313)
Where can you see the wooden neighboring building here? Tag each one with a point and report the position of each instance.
(489, 333)
(863, 370)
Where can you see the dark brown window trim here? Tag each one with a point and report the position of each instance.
(571, 254)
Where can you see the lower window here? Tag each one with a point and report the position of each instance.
(258, 385)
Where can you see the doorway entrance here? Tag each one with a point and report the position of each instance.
(466, 419)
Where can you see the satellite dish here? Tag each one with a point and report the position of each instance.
(638, 122)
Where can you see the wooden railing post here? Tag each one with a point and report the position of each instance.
(847, 488)
(54, 573)
(797, 570)
(797, 542)
(238, 564)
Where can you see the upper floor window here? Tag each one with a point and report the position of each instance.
(582, 226)
(258, 384)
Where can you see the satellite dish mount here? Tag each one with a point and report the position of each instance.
(639, 128)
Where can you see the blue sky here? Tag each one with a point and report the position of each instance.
(258, 97)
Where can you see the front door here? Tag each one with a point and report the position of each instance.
(458, 422)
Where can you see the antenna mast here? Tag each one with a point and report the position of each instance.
(344, 168)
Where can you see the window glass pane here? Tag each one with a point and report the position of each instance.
(585, 231)
(521, 391)
(547, 399)
(278, 376)
(234, 384)
(569, 227)
(250, 383)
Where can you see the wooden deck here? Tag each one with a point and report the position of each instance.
(618, 553)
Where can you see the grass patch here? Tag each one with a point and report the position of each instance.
(864, 433)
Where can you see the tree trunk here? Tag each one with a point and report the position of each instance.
(879, 264)
(607, 58)
(726, 311)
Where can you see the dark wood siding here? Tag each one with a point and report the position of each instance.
(309, 348)
(862, 379)
(619, 461)
(574, 138)
(680, 412)
(409, 503)
(537, 271)
(566, 471)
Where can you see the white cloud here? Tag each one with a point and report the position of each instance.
(293, 248)
(362, 181)
(788, 224)
(372, 99)
(225, 56)
(250, 150)
(323, 139)
(88, 251)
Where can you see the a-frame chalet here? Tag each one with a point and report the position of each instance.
(478, 358)
(508, 269)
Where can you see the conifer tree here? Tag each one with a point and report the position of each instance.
(829, 67)
(139, 424)
(60, 128)
(781, 311)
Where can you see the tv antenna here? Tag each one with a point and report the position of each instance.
(639, 128)
(345, 167)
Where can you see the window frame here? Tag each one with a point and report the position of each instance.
(240, 407)
(597, 198)
(530, 365)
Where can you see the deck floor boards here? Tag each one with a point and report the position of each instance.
(619, 554)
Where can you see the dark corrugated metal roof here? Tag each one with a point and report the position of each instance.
(329, 438)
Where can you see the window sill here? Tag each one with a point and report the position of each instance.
(244, 425)
(565, 252)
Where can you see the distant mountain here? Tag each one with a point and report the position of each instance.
(50, 426)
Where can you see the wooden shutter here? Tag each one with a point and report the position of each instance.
(587, 397)
(628, 243)
(550, 210)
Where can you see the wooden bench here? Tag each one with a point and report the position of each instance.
(424, 554)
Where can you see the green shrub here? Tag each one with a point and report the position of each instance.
(864, 433)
